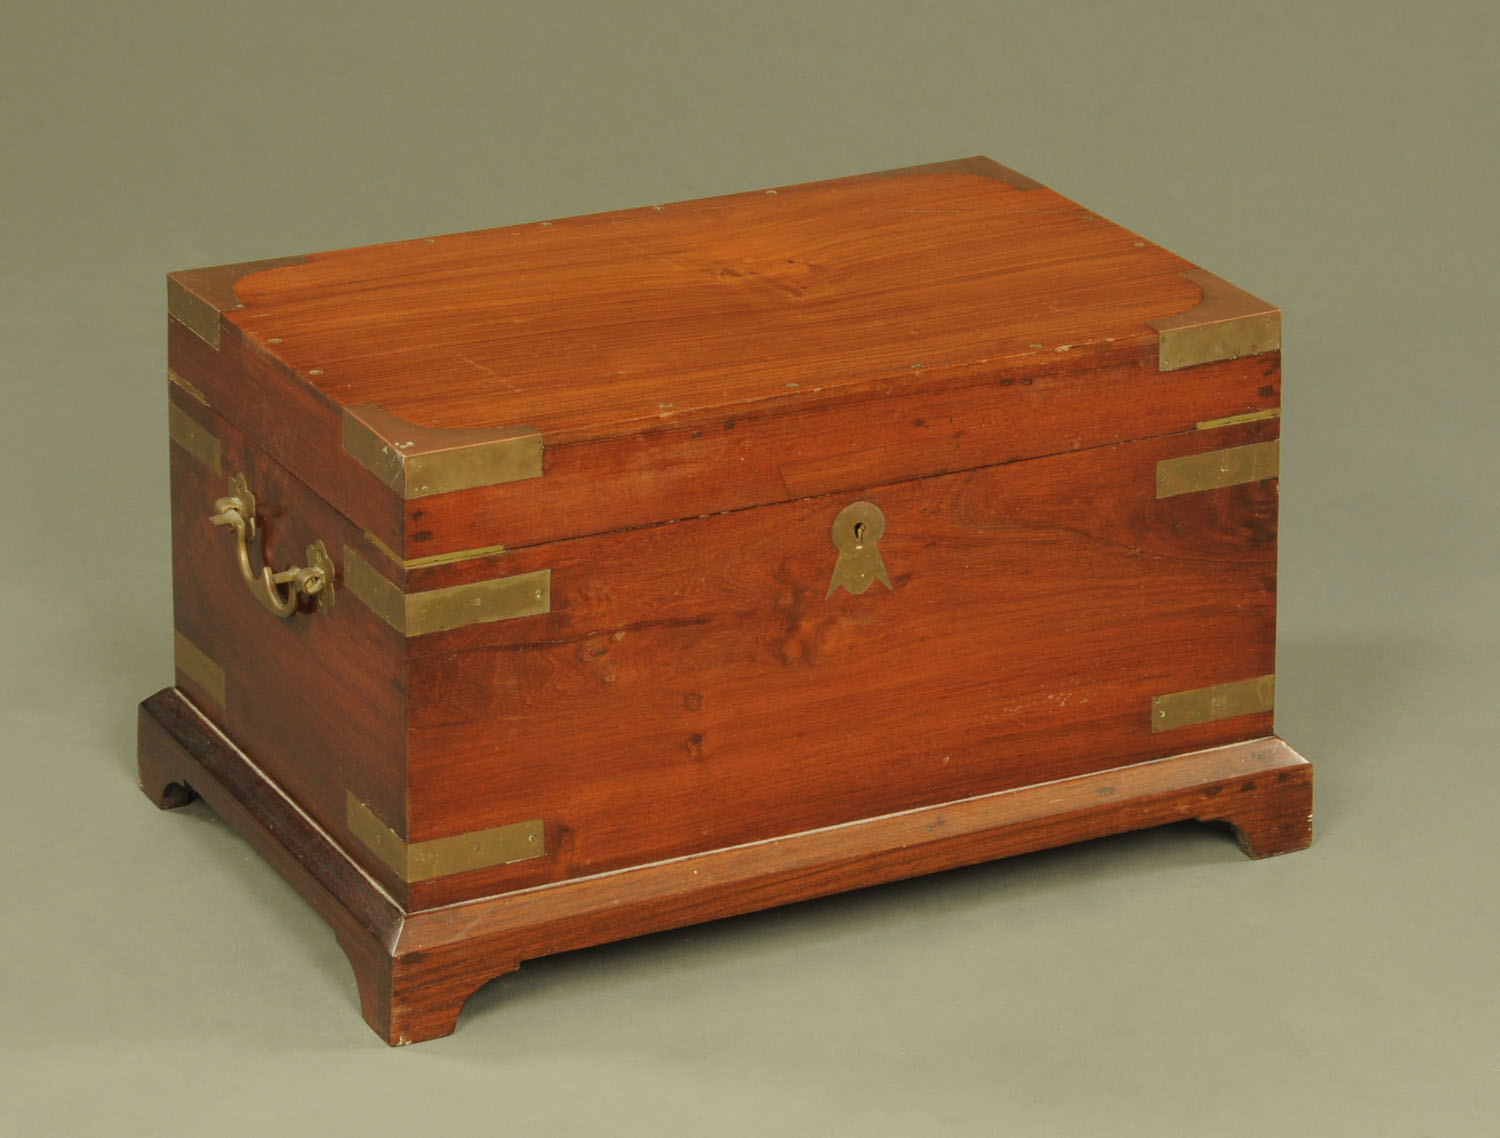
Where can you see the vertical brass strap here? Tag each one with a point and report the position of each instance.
(198, 666)
(194, 438)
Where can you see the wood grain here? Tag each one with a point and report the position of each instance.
(845, 284)
(693, 686)
(182, 754)
(1038, 608)
(318, 700)
(702, 726)
(836, 320)
(415, 971)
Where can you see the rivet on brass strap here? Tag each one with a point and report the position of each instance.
(439, 857)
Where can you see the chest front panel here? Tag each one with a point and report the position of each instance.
(696, 684)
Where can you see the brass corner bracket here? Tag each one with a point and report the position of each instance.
(197, 297)
(420, 461)
(458, 606)
(438, 857)
(1226, 324)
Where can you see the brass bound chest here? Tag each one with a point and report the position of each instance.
(547, 585)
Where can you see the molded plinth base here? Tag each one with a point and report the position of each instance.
(416, 970)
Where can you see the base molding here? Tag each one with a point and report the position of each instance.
(416, 970)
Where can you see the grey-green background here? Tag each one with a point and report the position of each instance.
(1338, 159)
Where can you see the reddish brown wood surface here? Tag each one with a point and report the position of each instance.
(415, 971)
(317, 700)
(181, 754)
(718, 354)
(682, 471)
(694, 686)
(714, 381)
(836, 447)
(599, 326)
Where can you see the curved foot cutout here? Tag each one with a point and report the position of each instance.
(166, 792)
(427, 1002)
(173, 795)
(1272, 815)
(413, 998)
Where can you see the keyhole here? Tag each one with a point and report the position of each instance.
(855, 532)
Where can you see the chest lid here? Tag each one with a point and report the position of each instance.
(538, 382)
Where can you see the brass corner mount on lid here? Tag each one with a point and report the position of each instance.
(196, 298)
(420, 461)
(1226, 324)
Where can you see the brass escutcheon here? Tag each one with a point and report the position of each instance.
(282, 592)
(857, 529)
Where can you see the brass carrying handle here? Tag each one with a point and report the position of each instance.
(282, 592)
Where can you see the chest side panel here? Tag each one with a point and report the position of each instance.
(316, 700)
(695, 685)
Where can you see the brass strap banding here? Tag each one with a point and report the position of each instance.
(458, 606)
(198, 666)
(1214, 469)
(1204, 705)
(194, 438)
(439, 857)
